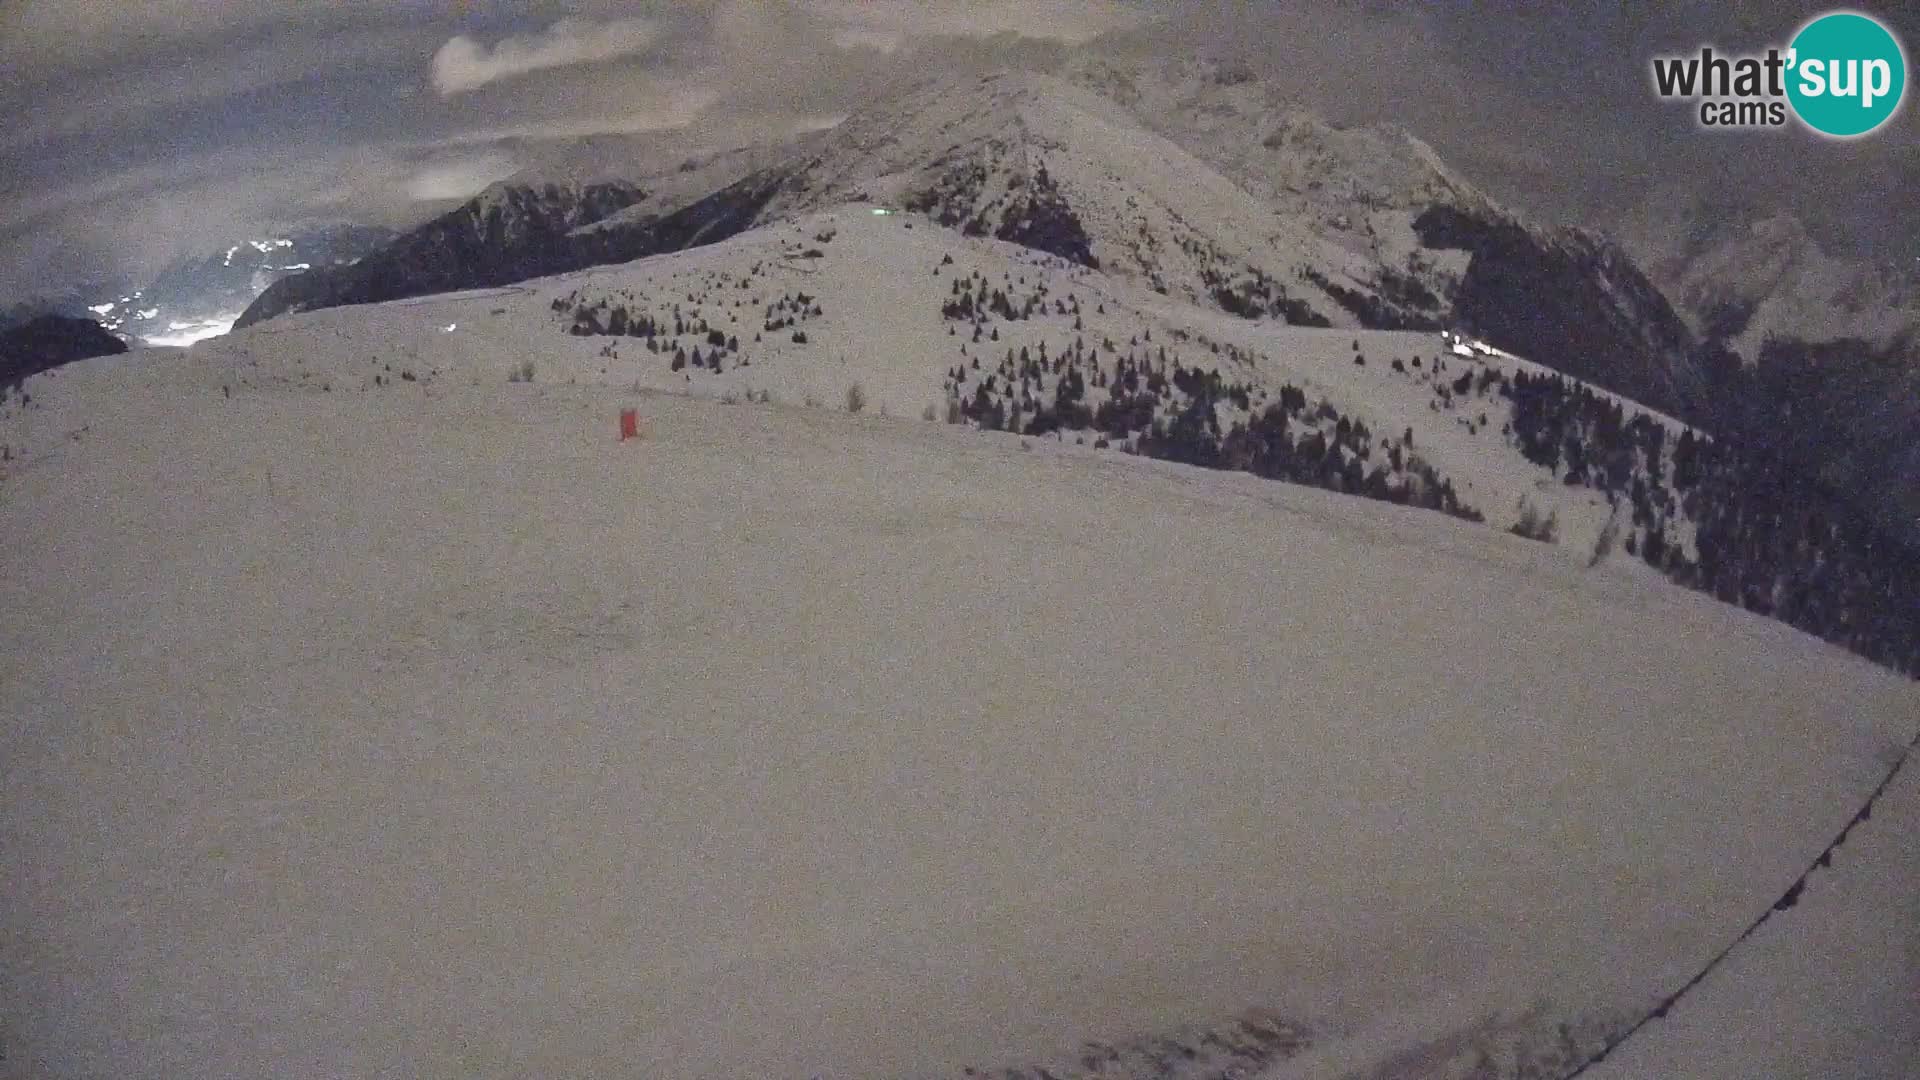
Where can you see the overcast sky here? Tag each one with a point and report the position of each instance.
(142, 130)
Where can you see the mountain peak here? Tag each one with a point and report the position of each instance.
(1192, 178)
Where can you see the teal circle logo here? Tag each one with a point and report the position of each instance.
(1847, 74)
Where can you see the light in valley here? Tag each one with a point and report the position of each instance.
(181, 334)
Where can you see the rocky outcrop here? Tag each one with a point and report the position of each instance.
(1569, 299)
(47, 342)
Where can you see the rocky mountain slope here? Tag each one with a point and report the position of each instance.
(508, 233)
(50, 341)
(71, 304)
(1570, 297)
(526, 227)
(1743, 276)
(1810, 358)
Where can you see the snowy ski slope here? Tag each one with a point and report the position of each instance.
(369, 713)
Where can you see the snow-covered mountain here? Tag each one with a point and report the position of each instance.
(1036, 753)
(929, 320)
(1200, 185)
(1813, 356)
(1192, 181)
(1744, 276)
(1115, 579)
(507, 233)
(527, 226)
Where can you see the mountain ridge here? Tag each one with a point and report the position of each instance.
(988, 333)
(46, 342)
(1201, 183)
(1143, 171)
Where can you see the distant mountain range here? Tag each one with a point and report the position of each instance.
(1204, 184)
(1813, 356)
(201, 296)
(1743, 275)
(1184, 175)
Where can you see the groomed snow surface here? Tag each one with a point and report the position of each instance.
(423, 729)
(1829, 987)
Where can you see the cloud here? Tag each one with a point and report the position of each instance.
(135, 221)
(867, 38)
(45, 33)
(673, 109)
(194, 79)
(459, 178)
(871, 24)
(463, 64)
(229, 116)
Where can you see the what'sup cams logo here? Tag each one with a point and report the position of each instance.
(1844, 75)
